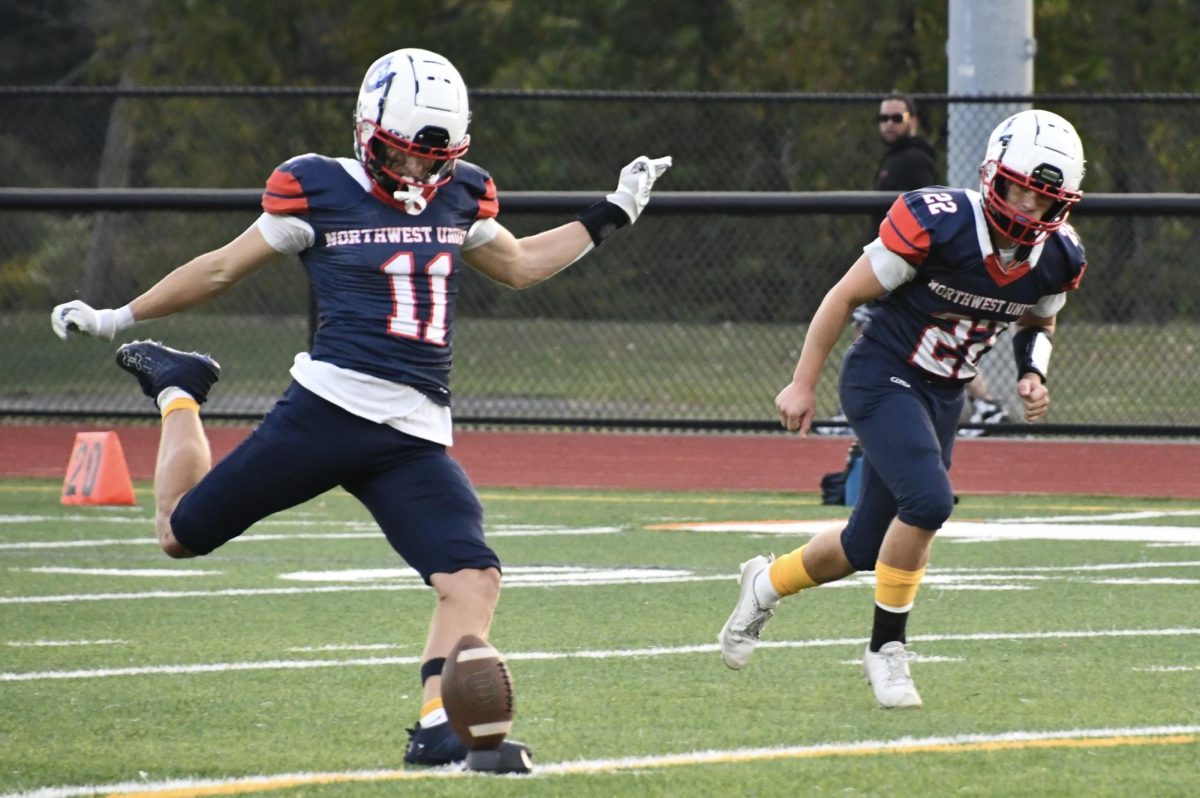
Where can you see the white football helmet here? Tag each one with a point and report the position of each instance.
(411, 124)
(1040, 151)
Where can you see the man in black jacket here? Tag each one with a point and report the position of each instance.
(908, 161)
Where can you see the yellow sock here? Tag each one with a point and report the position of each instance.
(181, 403)
(432, 713)
(430, 706)
(895, 589)
(788, 574)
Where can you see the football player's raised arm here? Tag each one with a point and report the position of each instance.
(197, 280)
(205, 276)
(522, 262)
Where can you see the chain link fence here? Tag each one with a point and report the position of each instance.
(695, 316)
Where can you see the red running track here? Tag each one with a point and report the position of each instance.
(706, 462)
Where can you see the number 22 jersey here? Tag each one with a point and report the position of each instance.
(949, 293)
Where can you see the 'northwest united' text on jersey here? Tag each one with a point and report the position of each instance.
(385, 281)
(953, 297)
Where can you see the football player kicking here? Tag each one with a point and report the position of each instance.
(383, 238)
(957, 267)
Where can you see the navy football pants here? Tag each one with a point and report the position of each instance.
(907, 427)
(420, 497)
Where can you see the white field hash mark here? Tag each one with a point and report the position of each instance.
(601, 654)
(962, 743)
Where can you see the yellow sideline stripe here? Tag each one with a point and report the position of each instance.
(265, 784)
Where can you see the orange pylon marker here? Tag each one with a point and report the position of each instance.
(97, 472)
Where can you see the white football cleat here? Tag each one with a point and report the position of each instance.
(887, 671)
(740, 634)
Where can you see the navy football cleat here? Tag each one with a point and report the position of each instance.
(432, 746)
(157, 366)
(439, 745)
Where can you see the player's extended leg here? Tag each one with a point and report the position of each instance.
(765, 580)
(466, 600)
(907, 436)
(432, 517)
(178, 383)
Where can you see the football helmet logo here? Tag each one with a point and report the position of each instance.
(411, 124)
(1040, 151)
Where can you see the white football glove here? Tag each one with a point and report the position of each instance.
(633, 188)
(82, 317)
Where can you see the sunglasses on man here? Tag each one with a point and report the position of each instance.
(895, 119)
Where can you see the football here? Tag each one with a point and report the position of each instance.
(477, 693)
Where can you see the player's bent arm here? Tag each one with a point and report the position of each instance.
(858, 286)
(1031, 349)
(796, 403)
(522, 262)
(1032, 344)
(1030, 319)
(205, 276)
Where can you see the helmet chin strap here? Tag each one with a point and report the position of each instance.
(413, 198)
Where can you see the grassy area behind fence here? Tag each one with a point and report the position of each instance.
(1101, 373)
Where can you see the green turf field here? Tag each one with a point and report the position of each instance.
(1058, 643)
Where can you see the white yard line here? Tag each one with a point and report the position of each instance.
(587, 654)
(391, 579)
(1050, 528)
(579, 580)
(1018, 740)
(1041, 529)
(1140, 515)
(62, 643)
(147, 572)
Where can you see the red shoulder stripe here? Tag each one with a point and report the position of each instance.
(1073, 283)
(903, 234)
(284, 194)
(489, 205)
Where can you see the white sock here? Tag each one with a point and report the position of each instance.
(433, 718)
(168, 395)
(764, 592)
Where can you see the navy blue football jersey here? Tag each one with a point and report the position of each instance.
(385, 281)
(948, 315)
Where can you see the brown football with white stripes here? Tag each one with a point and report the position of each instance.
(477, 693)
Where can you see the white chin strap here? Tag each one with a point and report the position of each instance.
(413, 198)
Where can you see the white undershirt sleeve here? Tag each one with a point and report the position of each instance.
(287, 234)
(483, 231)
(890, 269)
(1049, 305)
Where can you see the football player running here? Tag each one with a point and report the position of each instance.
(383, 238)
(957, 267)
